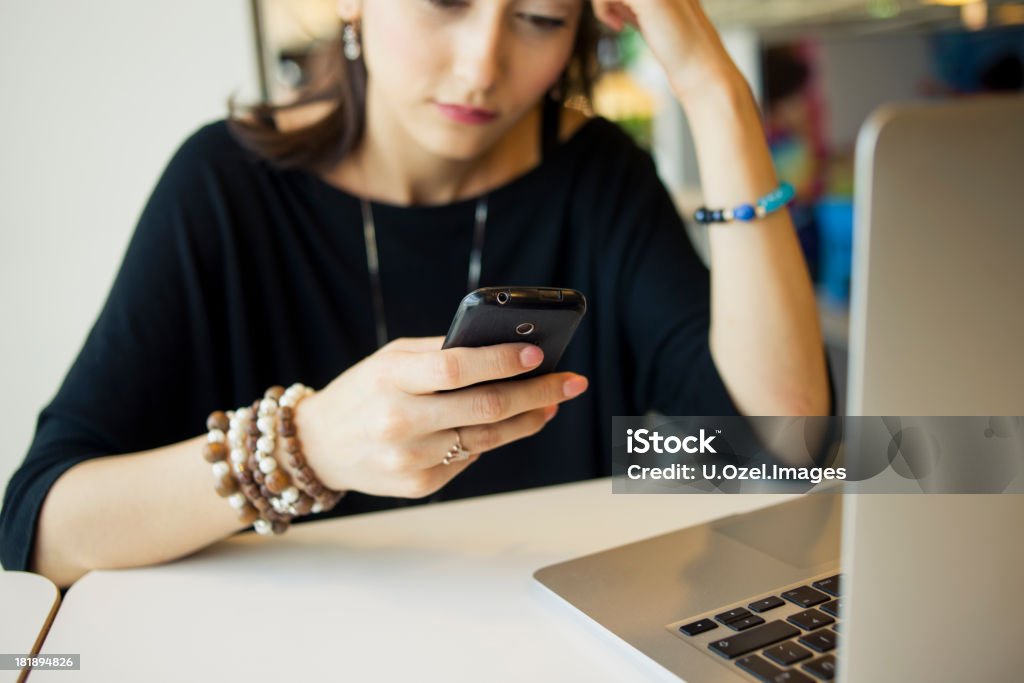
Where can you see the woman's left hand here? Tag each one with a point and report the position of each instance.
(679, 34)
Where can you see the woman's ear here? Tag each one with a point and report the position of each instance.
(350, 10)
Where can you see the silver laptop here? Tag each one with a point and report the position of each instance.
(930, 587)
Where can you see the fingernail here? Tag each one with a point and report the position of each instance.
(550, 412)
(530, 356)
(574, 386)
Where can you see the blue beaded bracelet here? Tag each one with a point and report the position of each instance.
(770, 203)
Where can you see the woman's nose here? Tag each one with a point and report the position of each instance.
(478, 61)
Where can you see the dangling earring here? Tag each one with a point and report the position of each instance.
(350, 39)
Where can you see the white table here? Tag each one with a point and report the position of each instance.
(436, 593)
(27, 605)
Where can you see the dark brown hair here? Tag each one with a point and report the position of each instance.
(341, 83)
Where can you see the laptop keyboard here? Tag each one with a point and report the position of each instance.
(786, 637)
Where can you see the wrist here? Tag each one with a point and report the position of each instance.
(308, 429)
(715, 96)
(314, 495)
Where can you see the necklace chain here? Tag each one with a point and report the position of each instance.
(373, 261)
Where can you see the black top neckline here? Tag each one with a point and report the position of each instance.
(510, 187)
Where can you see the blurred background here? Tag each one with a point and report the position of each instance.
(97, 96)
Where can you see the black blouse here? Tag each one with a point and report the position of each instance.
(240, 276)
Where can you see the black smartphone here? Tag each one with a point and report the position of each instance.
(545, 316)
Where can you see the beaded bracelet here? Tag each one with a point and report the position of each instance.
(251, 480)
(215, 452)
(240, 449)
(770, 203)
(324, 498)
(284, 497)
(277, 520)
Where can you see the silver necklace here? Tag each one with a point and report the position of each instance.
(373, 261)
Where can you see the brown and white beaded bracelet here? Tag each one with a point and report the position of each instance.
(216, 452)
(226, 450)
(240, 446)
(325, 498)
(243, 463)
(284, 497)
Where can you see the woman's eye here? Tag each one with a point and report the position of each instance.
(542, 22)
(537, 21)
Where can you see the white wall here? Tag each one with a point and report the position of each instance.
(861, 73)
(94, 98)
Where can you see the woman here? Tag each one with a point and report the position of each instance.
(330, 246)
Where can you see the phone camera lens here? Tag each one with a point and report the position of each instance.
(524, 328)
(503, 297)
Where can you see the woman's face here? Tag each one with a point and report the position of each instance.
(456, 75)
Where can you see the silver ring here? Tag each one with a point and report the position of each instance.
(456, 453)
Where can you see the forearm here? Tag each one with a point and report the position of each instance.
(130, 510)
(765, 336)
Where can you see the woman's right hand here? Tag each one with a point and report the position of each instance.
(382, 428)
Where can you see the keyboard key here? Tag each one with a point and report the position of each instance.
(771, 602)
(699, 626)
(732, 615)
(805, 596)
(831, 607)
(829, 585)
(810, 619)
(768, 672)
(745, 623)
(753, 639)
(835, 627)
(821, 641)
(787, 653)
(822, 667)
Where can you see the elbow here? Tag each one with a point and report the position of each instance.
(806, 393)
(804, 408)
(61, 578)
(784, 406)
(55, 567)
(793, 401)
(803, 403)
(53, 552)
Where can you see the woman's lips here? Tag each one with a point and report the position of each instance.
(462, 114)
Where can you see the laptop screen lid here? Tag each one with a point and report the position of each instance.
(937, 328)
